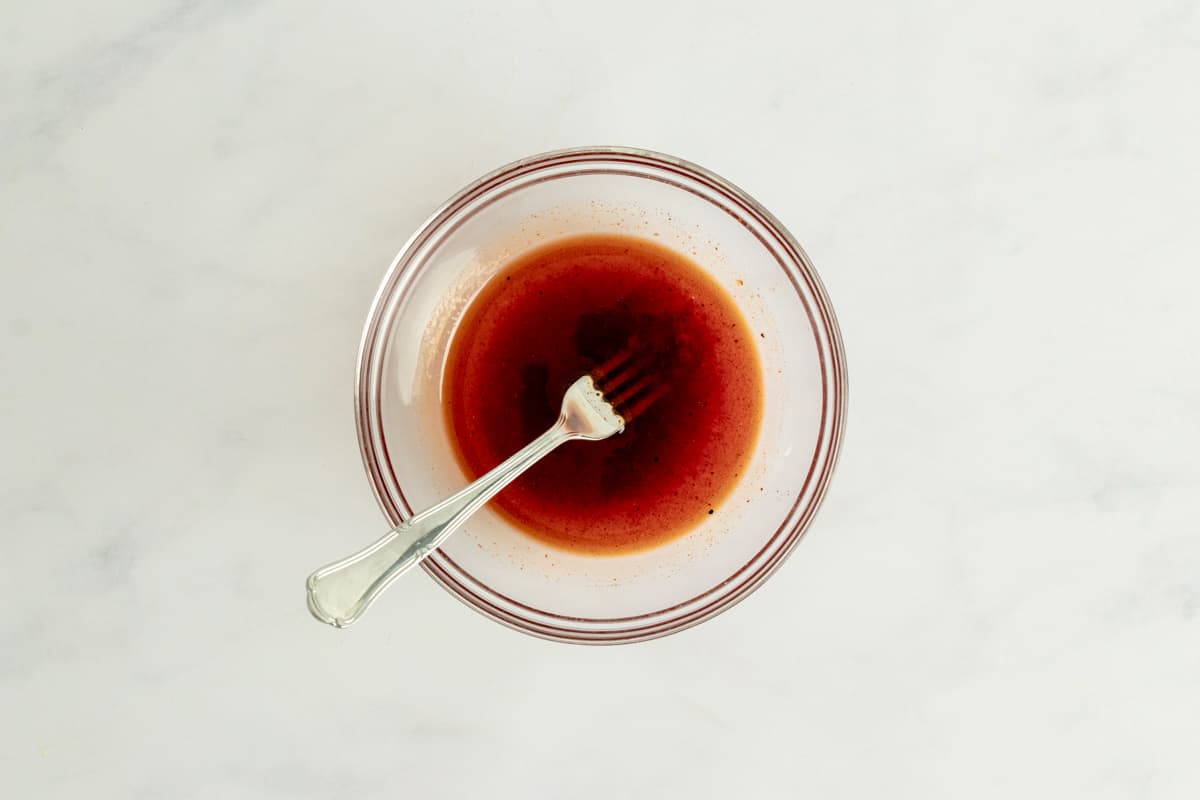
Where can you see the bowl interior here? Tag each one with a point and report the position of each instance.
(508, 574)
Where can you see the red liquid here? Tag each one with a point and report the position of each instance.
(557, 313)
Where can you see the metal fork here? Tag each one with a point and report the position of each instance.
(340, 593)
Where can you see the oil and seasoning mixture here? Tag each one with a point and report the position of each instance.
(561, 311)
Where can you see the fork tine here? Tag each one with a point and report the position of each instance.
(628, 381)
(644, 402)
(606, 368)
(632, 390)
(631, 371)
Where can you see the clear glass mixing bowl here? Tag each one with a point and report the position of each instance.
(406, 449)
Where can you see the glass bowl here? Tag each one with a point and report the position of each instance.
(511, 577)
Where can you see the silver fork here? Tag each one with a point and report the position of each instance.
(340, 593)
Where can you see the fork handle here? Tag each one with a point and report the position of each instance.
(339, 593)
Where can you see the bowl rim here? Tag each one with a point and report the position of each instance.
(728, 592)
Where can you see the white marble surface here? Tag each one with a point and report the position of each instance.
(1001, 597)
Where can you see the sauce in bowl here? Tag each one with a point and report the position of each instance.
(561, 311)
